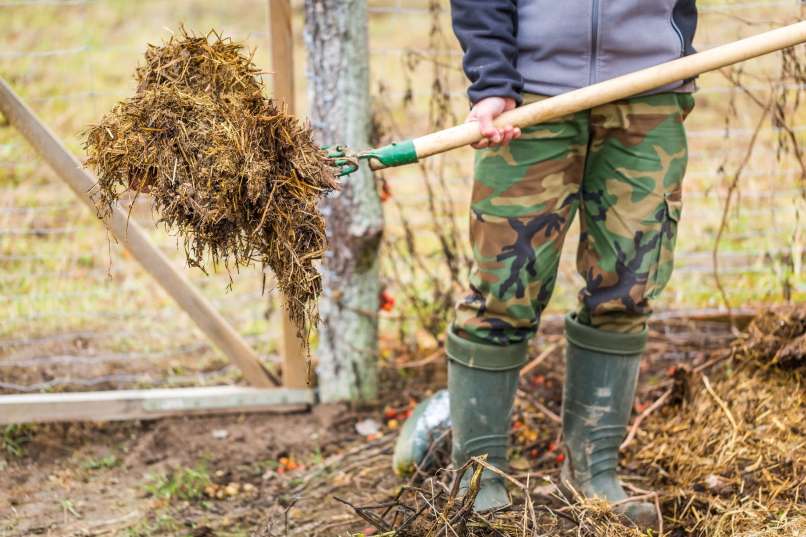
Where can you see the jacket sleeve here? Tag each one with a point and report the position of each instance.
(486, 29)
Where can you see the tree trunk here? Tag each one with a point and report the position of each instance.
(338, 94)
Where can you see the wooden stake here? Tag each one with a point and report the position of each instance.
(282, 59)
(134, 239)
(281, 35)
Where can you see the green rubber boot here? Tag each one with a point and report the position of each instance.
(481, 382)
(600, 380)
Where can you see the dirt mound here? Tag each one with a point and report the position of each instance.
(236, 176)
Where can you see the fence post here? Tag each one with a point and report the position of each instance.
(281, 37)
(338, 89)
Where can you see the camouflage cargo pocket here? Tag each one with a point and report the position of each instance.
(661, 271)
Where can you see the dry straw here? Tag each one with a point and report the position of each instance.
(724, 455)
(731, 456)
(237, 177)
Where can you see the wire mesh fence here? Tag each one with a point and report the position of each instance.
(77, 313)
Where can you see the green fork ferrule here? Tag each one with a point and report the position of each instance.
(394, 154)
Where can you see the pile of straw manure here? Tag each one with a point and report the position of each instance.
(730, 459)
(237, 177)
(724, 453)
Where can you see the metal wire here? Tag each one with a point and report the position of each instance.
(45, 3)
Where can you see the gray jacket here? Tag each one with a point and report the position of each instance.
(549, 47)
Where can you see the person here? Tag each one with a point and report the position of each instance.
(620, 166)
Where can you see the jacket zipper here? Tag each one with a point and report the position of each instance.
(594, 41)
(679, 35)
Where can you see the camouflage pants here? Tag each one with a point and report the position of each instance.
(621, 166)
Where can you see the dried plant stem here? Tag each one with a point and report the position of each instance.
(722, 405)
(642, 416)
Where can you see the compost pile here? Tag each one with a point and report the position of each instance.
(723, 450)
(730, 456)
(230, 171)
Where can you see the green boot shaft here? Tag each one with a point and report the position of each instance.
(482, 380)
(600, 380)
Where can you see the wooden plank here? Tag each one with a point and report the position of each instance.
(116, 405)
(134, 239)
(282, 57)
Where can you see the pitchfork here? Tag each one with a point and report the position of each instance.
(410, 151)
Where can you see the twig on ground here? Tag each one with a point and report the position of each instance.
(659, 515)
(649, 410)
(433, 357)
(539, 359)
(722, 405)
(540, 406)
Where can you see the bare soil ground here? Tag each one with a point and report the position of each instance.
(149, 477)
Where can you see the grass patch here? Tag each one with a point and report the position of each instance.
(102, 463)
(186, 484)
(15, 437)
